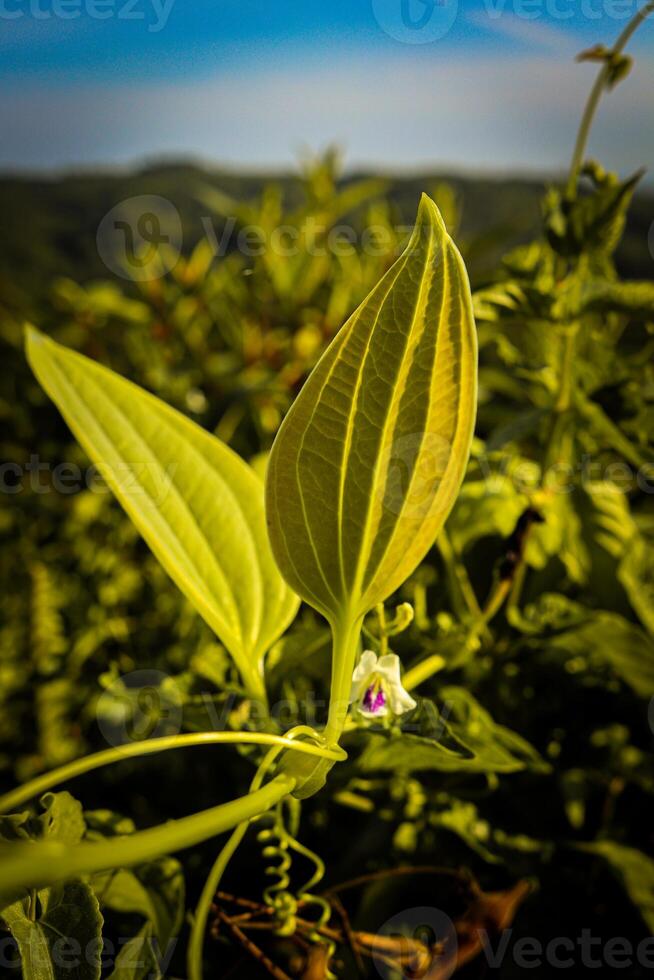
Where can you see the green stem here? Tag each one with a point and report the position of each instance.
(423, 671)
(566, 377)
(38, 864)
(517, 587)
(493, 605)
(23, 794)
(196, 941)
(254, 684)
(595, 96)
(462, 590)
(199, 926)
(383, 636)
(464, 599)
(345, 634)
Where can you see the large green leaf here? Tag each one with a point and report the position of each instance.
(198, 505)
(368, 461)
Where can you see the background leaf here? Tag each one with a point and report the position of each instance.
(154, 890)
(460, 737)
(65, 940)
(634, 869)
(614, 641)
(137, 959)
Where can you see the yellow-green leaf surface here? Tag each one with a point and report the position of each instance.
(198, 505)
(369, 459)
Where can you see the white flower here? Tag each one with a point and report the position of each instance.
(377, 687)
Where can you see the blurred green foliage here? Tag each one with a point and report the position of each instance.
(533, 627)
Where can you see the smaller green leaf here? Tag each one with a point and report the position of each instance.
(462, 738)
(633, 869)
(462, 818)
(550, 613)
(64, 941)
(607, 431)
(635, 299)
(636, 574)
(593, 222)
(137, 959)
(155, 891)
(613, 641)
(483, 509)
(63, 818)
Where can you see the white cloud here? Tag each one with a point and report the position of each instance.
(498, 113)
(531, 33)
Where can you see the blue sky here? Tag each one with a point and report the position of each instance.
(478, 84)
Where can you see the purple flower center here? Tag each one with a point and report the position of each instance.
(374, 699)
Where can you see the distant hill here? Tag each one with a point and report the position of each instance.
(50, 224)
